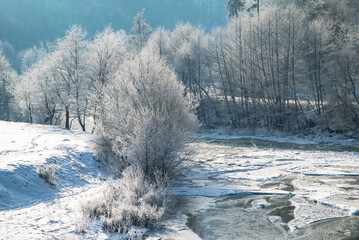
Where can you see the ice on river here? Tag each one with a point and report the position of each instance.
(321, 184)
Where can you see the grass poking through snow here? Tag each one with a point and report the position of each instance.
(47, 172)
(129, 202)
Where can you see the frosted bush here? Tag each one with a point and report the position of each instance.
(82, 222)
(47, 172)
(129, 202)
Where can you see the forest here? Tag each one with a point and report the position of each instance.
(291, 67)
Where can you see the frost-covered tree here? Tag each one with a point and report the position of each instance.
(7, 78)
(24, 96)
(71, 84)
(147, 119)
(348, 62)
(191, 60)
(37, 93)
(159, 41)
(31, 56)
(234, 7)
(254, 5)
(103, 58)
(189, 53)
(57, 82)
(141, 32)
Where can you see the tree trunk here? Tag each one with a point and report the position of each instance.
(67, 120)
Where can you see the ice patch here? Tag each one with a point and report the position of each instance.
(259, 203)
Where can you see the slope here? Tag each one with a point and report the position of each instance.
(31, 208)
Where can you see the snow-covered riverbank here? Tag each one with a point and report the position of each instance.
(281, 185)
(316, 137)
(320, 184)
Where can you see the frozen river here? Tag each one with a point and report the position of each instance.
(259, 189)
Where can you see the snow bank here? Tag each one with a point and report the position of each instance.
(30, 207)
(281, 137)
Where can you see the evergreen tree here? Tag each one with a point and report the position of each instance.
(234, 7)
(255, 5)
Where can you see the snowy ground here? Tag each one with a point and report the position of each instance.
(315, 137)
(320, 184)
(30, 208)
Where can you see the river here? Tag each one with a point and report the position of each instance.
(259, 189)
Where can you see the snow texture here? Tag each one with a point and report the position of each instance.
(32, 208)
(320, 184)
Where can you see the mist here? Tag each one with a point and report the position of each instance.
(25, 23)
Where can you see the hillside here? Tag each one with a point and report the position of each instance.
(30, 207)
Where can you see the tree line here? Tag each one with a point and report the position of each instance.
(292, 65)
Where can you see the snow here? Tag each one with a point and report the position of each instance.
(317, 137)
(30, 207)
(176, 229)
(320, 184)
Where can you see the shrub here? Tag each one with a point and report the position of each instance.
(128, 202)
(47, 172)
